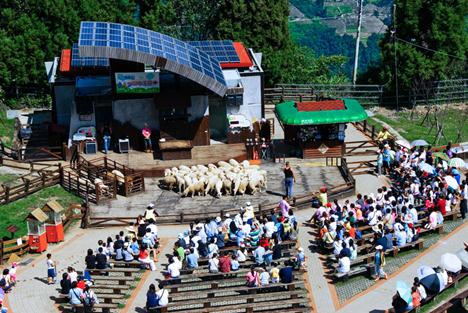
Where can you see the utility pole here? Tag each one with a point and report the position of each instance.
(358, 39)
(395, 56)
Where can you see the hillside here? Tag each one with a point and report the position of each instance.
(329, 27)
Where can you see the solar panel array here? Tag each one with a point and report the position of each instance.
(100, 39)
(222, 50)
(78, 61)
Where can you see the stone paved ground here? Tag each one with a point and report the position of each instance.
(310, 174)
(356, 285)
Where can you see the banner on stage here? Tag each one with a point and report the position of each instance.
(139, 82)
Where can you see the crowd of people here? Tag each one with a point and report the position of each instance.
(8, 280)
(419, 198)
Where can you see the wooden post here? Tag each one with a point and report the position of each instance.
(26, 186)
(142, 182)
(43, 178)
(98, 193)
(181, 217)
(7, 193)
(61, 174)
(365, 126)
(87, 190)
(105, 162)
(69, 182)
(373, 132)
(260, 210)
(1, 251)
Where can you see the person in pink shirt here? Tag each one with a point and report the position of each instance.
(284, 206)
(252, 277)
(146, 132)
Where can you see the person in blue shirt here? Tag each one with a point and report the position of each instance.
(234, 263)
(258, 254)
(286, 273)
(386, 158)
(151, 298)
(240, 234)
(135, 247)
(192, 259)
(220, 239)
(400, 235)
(268, 256)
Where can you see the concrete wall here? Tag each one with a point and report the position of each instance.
(136, 112)
(198, 107)
(252, 101)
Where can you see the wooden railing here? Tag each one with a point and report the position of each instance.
(300, 202)
(368, 130)
(8, 247)
(133, 182)
(46, 178)
(86, 188)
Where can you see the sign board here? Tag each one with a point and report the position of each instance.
(139, 82)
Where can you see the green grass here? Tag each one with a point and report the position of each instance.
(16, 212)
(415, 129)
(7, 179)
(336, 10)
(7, 128)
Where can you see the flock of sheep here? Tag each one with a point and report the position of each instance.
(228, 178)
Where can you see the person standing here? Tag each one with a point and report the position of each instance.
(146, 132)
(106, 136)
(379, 263)
(289, 179)
(51, 269)
(463, 199)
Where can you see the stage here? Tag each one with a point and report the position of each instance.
(310, 176)
(153, 167)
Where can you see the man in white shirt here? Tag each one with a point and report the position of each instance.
(163, 296)
(227, 221)
(344, 265)
(173, 268)
(269, 228)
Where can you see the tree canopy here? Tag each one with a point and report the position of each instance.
(431, 43)
(34, 31)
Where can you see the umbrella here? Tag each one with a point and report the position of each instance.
(426, 167)
(463, 256)
(404, 291)
(457, 162)
(451, 182)
(403, 143)
(419, 143)
(450, 262)
(441, 155)
(442, 281)
(429, 279)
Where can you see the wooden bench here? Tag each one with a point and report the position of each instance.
(218, 302)
(126, 271)
(239, 289)
(102, 297)
(451, 216)
(458, 298)
(353, 272)
(105, 307)
(438, 229)
(117, 289)
(122, 280)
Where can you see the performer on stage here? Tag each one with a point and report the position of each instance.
(146, 132)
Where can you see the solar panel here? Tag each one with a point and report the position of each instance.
(78, 61)
(110, 40)
(222, 50)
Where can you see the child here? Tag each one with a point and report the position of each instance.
(51, 269)
(274, 274)
(416, 297)
(234, 263)
(264, 277)
(13, 269)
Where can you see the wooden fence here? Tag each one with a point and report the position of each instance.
(8, 247)
(29, 185)
(133, 182)
(300, 202)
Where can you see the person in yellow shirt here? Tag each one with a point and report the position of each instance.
(274, 272)
(383, 135)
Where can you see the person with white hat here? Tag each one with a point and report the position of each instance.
(379, 263)
(150, 212)
(249, 213)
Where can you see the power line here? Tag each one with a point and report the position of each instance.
(429, 49)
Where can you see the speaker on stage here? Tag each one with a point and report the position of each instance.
(124, 145)
(90, 147)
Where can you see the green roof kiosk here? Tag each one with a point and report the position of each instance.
(317, 128)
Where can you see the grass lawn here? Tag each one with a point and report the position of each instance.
(6, 127)
(6, 179)
(16, 212)
(414, 129)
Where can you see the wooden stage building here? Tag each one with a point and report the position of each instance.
(151, 166)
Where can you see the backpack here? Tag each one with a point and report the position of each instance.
(88, 301)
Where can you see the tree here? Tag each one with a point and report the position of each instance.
(432, 43)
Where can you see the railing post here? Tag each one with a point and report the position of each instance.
(365, 126)
(373, 132)
(181, 217)
(26, 186)
(7, 194)
(98, 193)
(43, 178)
(69, 182)
(260, 210)
(105, 162)
(1, 251)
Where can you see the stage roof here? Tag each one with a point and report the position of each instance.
(126, 42)
(288, 114)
